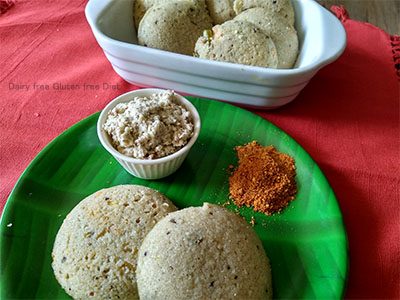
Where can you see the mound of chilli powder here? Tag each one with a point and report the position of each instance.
(264, 179)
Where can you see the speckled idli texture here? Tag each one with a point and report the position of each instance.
(240, 42)
(203, 252)
(282, 7)
(173, 26)
(220, 10)
(96, 248)
(276, 26)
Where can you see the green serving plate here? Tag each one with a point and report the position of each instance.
(306, 243)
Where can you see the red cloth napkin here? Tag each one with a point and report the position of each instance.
(347, 118)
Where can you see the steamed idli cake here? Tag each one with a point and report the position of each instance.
(283, 7)
(141, 6)
(220, 10)
(203, 252)
(95, 251)
(139, 9)
(283, 34)
(238, 42)
(173, 26)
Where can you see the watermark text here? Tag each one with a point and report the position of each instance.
(60, 86)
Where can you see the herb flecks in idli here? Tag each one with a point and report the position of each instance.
(282, 33)
(96, 248)
(238, 42)
(203, 252)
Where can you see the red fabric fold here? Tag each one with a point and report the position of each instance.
(5, 5)
(396, 52)
(340, 12)
(347, 118)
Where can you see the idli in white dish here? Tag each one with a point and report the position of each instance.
(95, 250)
(282, 33)
(203, 252)
(283, 7)
(139, 9)
(239, 42)
(220, 10)
(173, 26)
(141, 6)
(322, 40)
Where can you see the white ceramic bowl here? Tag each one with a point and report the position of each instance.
(152, 168)
(322, 39)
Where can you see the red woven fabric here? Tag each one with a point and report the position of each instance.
(347, 118)
(5, 5)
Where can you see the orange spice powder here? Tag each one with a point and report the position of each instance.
(264, 179)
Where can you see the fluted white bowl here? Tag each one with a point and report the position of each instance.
(148, 168)
(322, 39)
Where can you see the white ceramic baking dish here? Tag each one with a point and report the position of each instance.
(322, 39)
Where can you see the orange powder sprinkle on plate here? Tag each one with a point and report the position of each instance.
(264, 179)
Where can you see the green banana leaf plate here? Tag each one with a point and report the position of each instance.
(307, 243)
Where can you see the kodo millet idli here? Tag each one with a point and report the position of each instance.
(220, 10)
(238, 42)
(173, 26)
(203, 252)
(282, 33)
(96, 248)
(282, 7)
(140, 7)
